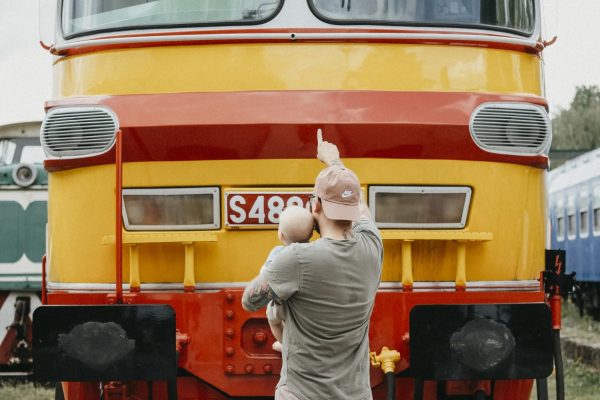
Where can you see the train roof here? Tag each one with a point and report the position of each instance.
(20, 129)
(573, 172)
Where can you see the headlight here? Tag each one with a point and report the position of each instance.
(419, 207)
(171, 209)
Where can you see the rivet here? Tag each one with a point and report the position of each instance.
(249, 368)
(229, 350)
(229, 314)
(229, 297)
(229, 332)
(229, 369)
(260, 337)
(268, 368)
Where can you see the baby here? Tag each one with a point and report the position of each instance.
(295, 226)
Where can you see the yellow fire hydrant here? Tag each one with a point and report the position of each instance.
(386, 359)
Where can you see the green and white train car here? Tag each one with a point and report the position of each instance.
(23, 217)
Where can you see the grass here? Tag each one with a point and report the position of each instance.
(585, 326)
(581, 382)
(19, 390)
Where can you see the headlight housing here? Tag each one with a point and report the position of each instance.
(420, 207)
(171, 209)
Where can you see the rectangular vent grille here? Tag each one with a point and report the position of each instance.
(514, 128)
(78, 131)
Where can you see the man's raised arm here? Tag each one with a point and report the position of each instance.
(329, 154)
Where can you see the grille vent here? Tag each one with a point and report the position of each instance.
(511, 128)
(78, 131)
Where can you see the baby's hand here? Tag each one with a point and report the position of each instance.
(277, 346)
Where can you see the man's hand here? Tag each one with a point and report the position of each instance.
(327, 152)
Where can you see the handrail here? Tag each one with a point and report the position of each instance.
(187, 239)
(119, 218)
(460, 237)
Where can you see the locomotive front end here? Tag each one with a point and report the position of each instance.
(179, 131)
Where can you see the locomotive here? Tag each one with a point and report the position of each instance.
(23, 204)
(178, 131)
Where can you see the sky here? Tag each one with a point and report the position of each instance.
(25, 68)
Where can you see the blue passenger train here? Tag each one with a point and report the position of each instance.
(574, 190)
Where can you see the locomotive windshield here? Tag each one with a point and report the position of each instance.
(21, 150)
(86, 16)
(516, 16)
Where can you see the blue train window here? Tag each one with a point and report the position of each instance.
(571, 223)
(584, 227)
(560, 221)
(596, 210)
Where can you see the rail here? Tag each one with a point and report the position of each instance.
(187, 239)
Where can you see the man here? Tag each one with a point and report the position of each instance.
(328, 290)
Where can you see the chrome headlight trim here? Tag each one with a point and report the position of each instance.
(78, 131)
(522, 129)
(216, 208)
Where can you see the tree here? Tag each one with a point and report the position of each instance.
(578, 127)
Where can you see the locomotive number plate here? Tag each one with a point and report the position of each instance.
(257, 209)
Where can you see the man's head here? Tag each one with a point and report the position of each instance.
(295, 225)
(338, 188)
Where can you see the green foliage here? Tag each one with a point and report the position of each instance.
(578, 128)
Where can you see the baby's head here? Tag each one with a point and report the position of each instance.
(295, 225)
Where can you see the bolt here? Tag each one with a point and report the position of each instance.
(229, 314)
(249, 368)
(229, 351)
(268, 368)
(229, 332)
(229, 297)
(229, 369)
(260, 337)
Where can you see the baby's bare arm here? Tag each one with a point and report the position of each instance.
(277, 329)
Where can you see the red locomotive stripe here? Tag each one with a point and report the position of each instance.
(282, 124)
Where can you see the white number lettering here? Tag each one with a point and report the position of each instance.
(295, 201)
(258, 209)
(275, 209)
(233, 206)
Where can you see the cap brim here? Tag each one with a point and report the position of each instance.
(343, 212)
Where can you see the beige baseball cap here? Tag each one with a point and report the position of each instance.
(339, 191)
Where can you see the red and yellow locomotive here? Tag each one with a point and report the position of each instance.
(180, 129)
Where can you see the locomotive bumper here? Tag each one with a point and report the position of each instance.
(481, 341)
(100, 343)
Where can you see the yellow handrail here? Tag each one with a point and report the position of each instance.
(187, 239)
(460, 237)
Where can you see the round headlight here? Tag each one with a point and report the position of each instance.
(24, 175)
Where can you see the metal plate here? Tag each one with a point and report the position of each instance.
(481, 341)
(92, 343)
(260, 209)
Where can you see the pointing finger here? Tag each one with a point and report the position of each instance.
(319, 136)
